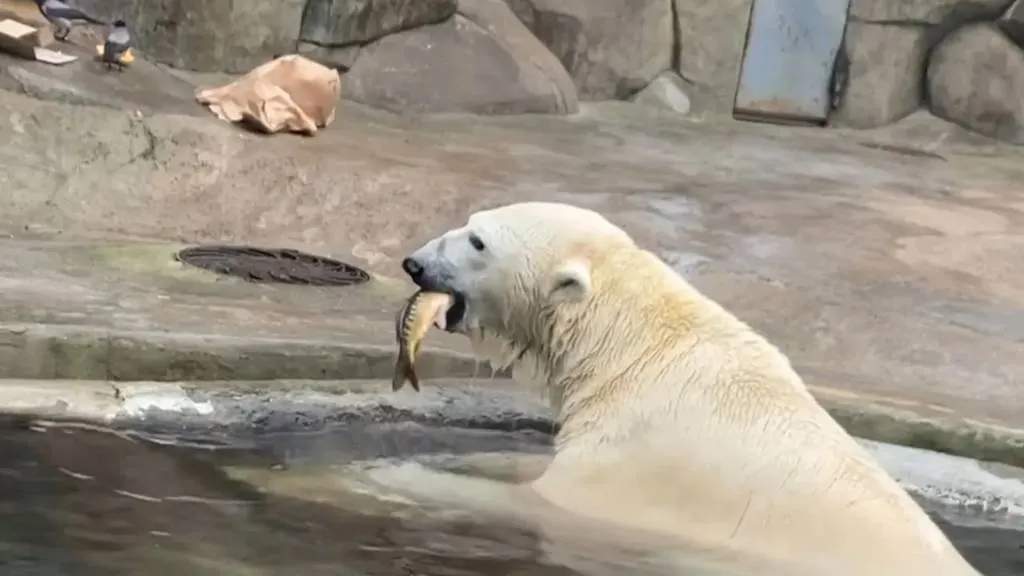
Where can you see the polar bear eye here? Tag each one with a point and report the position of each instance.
(476, 242)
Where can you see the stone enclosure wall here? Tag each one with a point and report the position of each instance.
(962, 59)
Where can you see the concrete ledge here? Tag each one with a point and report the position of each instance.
(920, 425)
(256, 407)
(253, 407)
(369, 421)
(84, 353)
(61, 399)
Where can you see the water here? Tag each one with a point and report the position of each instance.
(82, 502)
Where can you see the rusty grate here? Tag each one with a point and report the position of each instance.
(273, 265)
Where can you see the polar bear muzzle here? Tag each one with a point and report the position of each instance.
(433, 281)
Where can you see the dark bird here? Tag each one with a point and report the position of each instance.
(118, 42)
(63, 16)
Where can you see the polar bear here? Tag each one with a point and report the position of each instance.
(676, 417)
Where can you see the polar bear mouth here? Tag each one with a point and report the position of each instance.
(455, 317)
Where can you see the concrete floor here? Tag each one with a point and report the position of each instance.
(882, 272)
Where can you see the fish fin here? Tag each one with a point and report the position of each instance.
(401, 372)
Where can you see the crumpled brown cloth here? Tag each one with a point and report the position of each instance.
(289, 93)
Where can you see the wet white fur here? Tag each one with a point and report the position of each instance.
(677, 418)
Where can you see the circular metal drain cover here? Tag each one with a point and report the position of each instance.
(279, 265)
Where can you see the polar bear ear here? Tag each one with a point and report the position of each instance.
(570, 282)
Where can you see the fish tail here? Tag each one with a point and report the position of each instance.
(404, 371)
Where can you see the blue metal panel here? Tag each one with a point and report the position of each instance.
(787, 67)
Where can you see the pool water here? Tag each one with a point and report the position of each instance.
(78, 501)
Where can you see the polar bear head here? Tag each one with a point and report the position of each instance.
(516, 272)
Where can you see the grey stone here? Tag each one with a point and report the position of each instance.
(710, 38)
(1012, 22)
(976, 80)
(207, 35)
(911, 12)
(345, 22)
(500, 21)
(667, 91)
(885, 50)
(339, 58)
(883, 70)
(482, 61)
(611, 48)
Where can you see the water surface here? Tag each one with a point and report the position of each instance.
(80, 502)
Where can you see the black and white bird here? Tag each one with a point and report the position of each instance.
(118, 42)
(63, 16)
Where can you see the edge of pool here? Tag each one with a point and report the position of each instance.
(483, 402)
(96, 374)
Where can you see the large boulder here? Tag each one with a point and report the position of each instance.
(345, 22)
(976, 80)
(207, 35)
(611, 48)
(885, 48)
(483, 61)
(710, 38)
(882, 67)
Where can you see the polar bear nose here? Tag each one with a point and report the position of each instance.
(412, 267)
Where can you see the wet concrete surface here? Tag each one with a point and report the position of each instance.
(120, 311)
(82, 501)
(798, 233)
(878, 272)
(142, 288)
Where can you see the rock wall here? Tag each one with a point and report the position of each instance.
(962, 59)
(975, 78)
(611, 48)
(481, 60)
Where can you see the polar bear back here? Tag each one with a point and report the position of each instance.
(699, 426)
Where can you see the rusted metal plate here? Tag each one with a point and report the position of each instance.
(787, 65)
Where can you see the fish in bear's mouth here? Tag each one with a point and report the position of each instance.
(456, 313)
